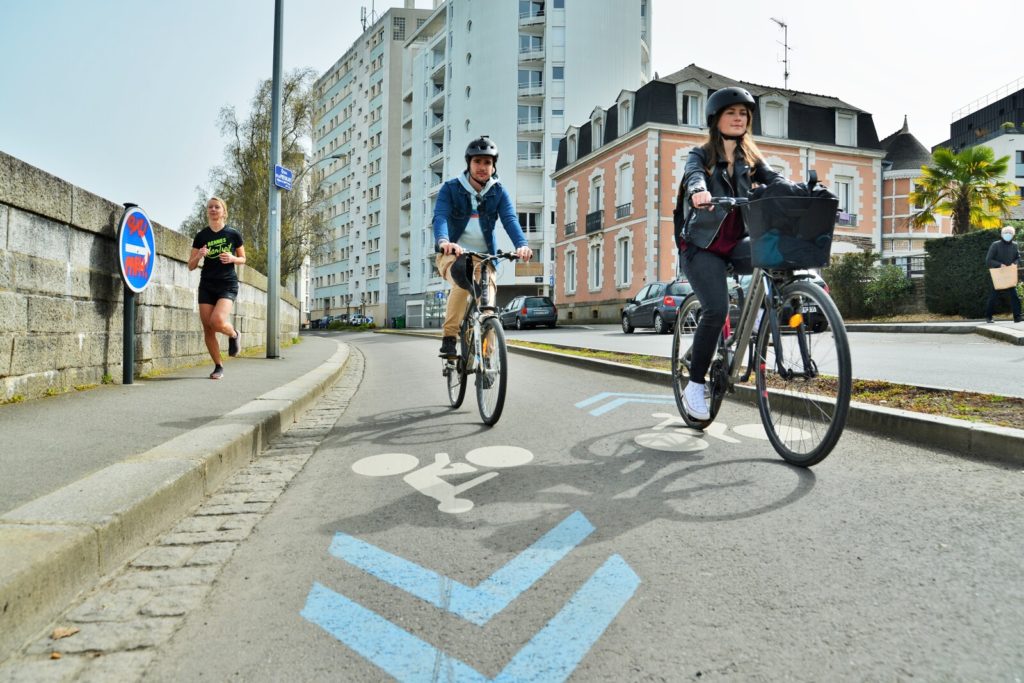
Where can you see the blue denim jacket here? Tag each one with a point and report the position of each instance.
(453, 206)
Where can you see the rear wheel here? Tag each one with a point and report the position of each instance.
(682, 340)
(659, 324)
(492, 374)
(519, 323)
(804, 378)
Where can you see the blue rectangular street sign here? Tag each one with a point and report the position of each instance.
(283, 177)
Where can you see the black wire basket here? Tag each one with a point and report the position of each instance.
(791, 232)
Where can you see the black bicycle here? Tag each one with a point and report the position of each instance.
(481, 344)
(790, 336)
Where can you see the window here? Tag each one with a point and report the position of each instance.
(570, 149)
(398, 28)
(597, 134)
(528, 149)
(596, 194)
(529, 79)
(558, 4)
(570, 206)
(529, 114)
(622, 261)
(623, 189)
(529, 43)
(846, 131)
(1020, 163)
(625, 117)
(690, 107)
(558, 73)
(841, 188)
(570, 271)
(772, 121)
(554, 143)
(558, 112)
(594, 265)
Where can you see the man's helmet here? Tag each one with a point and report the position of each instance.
(726, 97)
(462, 272)
(482, 147)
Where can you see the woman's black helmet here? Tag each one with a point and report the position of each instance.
(482, 147)
(726, 97)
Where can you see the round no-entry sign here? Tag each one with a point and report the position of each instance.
(136, 248)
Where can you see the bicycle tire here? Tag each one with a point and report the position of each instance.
(455, 374)
(804, 416)
(492, 373)
(687, 319)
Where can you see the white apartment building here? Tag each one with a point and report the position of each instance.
(518, 72)
(355, 146)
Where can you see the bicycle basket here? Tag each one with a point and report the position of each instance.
(791, 232)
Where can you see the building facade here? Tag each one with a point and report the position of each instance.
(516, 71)
(618, 174)
(355, 146)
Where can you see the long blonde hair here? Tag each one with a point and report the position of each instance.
(745, 146)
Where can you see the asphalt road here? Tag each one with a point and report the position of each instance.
(588, 536)
(947, 361)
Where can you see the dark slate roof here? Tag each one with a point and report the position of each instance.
(904, 150)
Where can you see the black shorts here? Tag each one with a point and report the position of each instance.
(212, 292)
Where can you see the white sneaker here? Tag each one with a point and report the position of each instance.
(694, 402)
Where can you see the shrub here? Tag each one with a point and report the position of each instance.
(888, 288)
(956, 279)
(847, 278)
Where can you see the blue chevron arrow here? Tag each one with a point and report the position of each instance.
(621, 400)
(551, 655)
(479, 604)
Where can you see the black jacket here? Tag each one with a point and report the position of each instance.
(701, 229)
(1002, 253)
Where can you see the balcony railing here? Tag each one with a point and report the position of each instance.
(623, 210)
(846, 219)
(530, 161)
(531, 89)
(595, 221)
(530, 124)
(570, 228)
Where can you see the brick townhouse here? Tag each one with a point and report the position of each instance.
(617, 176)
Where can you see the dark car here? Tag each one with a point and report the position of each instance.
(529, 311)
(655, 305)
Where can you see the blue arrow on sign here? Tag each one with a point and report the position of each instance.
(621, 400)
(551, 655)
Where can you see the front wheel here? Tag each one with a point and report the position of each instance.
(626, 326)
(682, 340)
(492, 374)
(804, 377)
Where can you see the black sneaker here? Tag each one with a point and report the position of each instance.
(218, 372)
(448, 347)
(988, 321)
(234, 344)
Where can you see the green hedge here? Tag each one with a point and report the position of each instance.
(956, 278)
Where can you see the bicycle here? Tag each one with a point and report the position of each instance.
(482, 346)
(791, 336)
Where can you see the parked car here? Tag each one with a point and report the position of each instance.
(655, 305)
(529, 311)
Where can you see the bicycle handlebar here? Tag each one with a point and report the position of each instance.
(725, 201)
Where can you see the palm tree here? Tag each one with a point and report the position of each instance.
(968, 185)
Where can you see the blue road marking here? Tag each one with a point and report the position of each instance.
(621, 399)
(477, 605)
(551, 655)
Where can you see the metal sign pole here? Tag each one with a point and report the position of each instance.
(274, 229)
(128, 337)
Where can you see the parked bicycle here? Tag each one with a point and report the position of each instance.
(789, 335)
(482, 346)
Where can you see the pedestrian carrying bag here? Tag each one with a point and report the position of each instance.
(1004, 278)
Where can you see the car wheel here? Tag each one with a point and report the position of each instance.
(519, 323)
(659, 324)
(626, 327)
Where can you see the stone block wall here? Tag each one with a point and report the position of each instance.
(62, 298)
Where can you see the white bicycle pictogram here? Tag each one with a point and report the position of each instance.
(429, 479)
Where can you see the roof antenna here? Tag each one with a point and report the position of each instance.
(785, 54)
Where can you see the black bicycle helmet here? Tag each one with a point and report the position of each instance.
(482, 147)
(726, 97)
(461, 272)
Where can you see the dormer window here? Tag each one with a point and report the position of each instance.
(625, 114)
(596, 129)
(570, 147)
(846, 128)
(774, 111)
(690, 105)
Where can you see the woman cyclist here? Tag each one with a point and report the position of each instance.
(728, 164)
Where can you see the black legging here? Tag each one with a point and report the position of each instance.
(707, 275)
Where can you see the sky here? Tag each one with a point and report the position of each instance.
(121, 97)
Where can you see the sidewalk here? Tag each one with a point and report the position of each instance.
(1004, 330)
(86, 479)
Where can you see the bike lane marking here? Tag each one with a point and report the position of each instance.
(551, 654)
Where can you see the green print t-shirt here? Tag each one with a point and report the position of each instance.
(225, 240)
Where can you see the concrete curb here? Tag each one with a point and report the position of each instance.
(997, 331)
(970, 439)
(63, 543)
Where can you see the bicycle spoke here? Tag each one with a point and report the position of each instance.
(492, 372)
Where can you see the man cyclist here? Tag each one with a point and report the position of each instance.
(465, 213)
